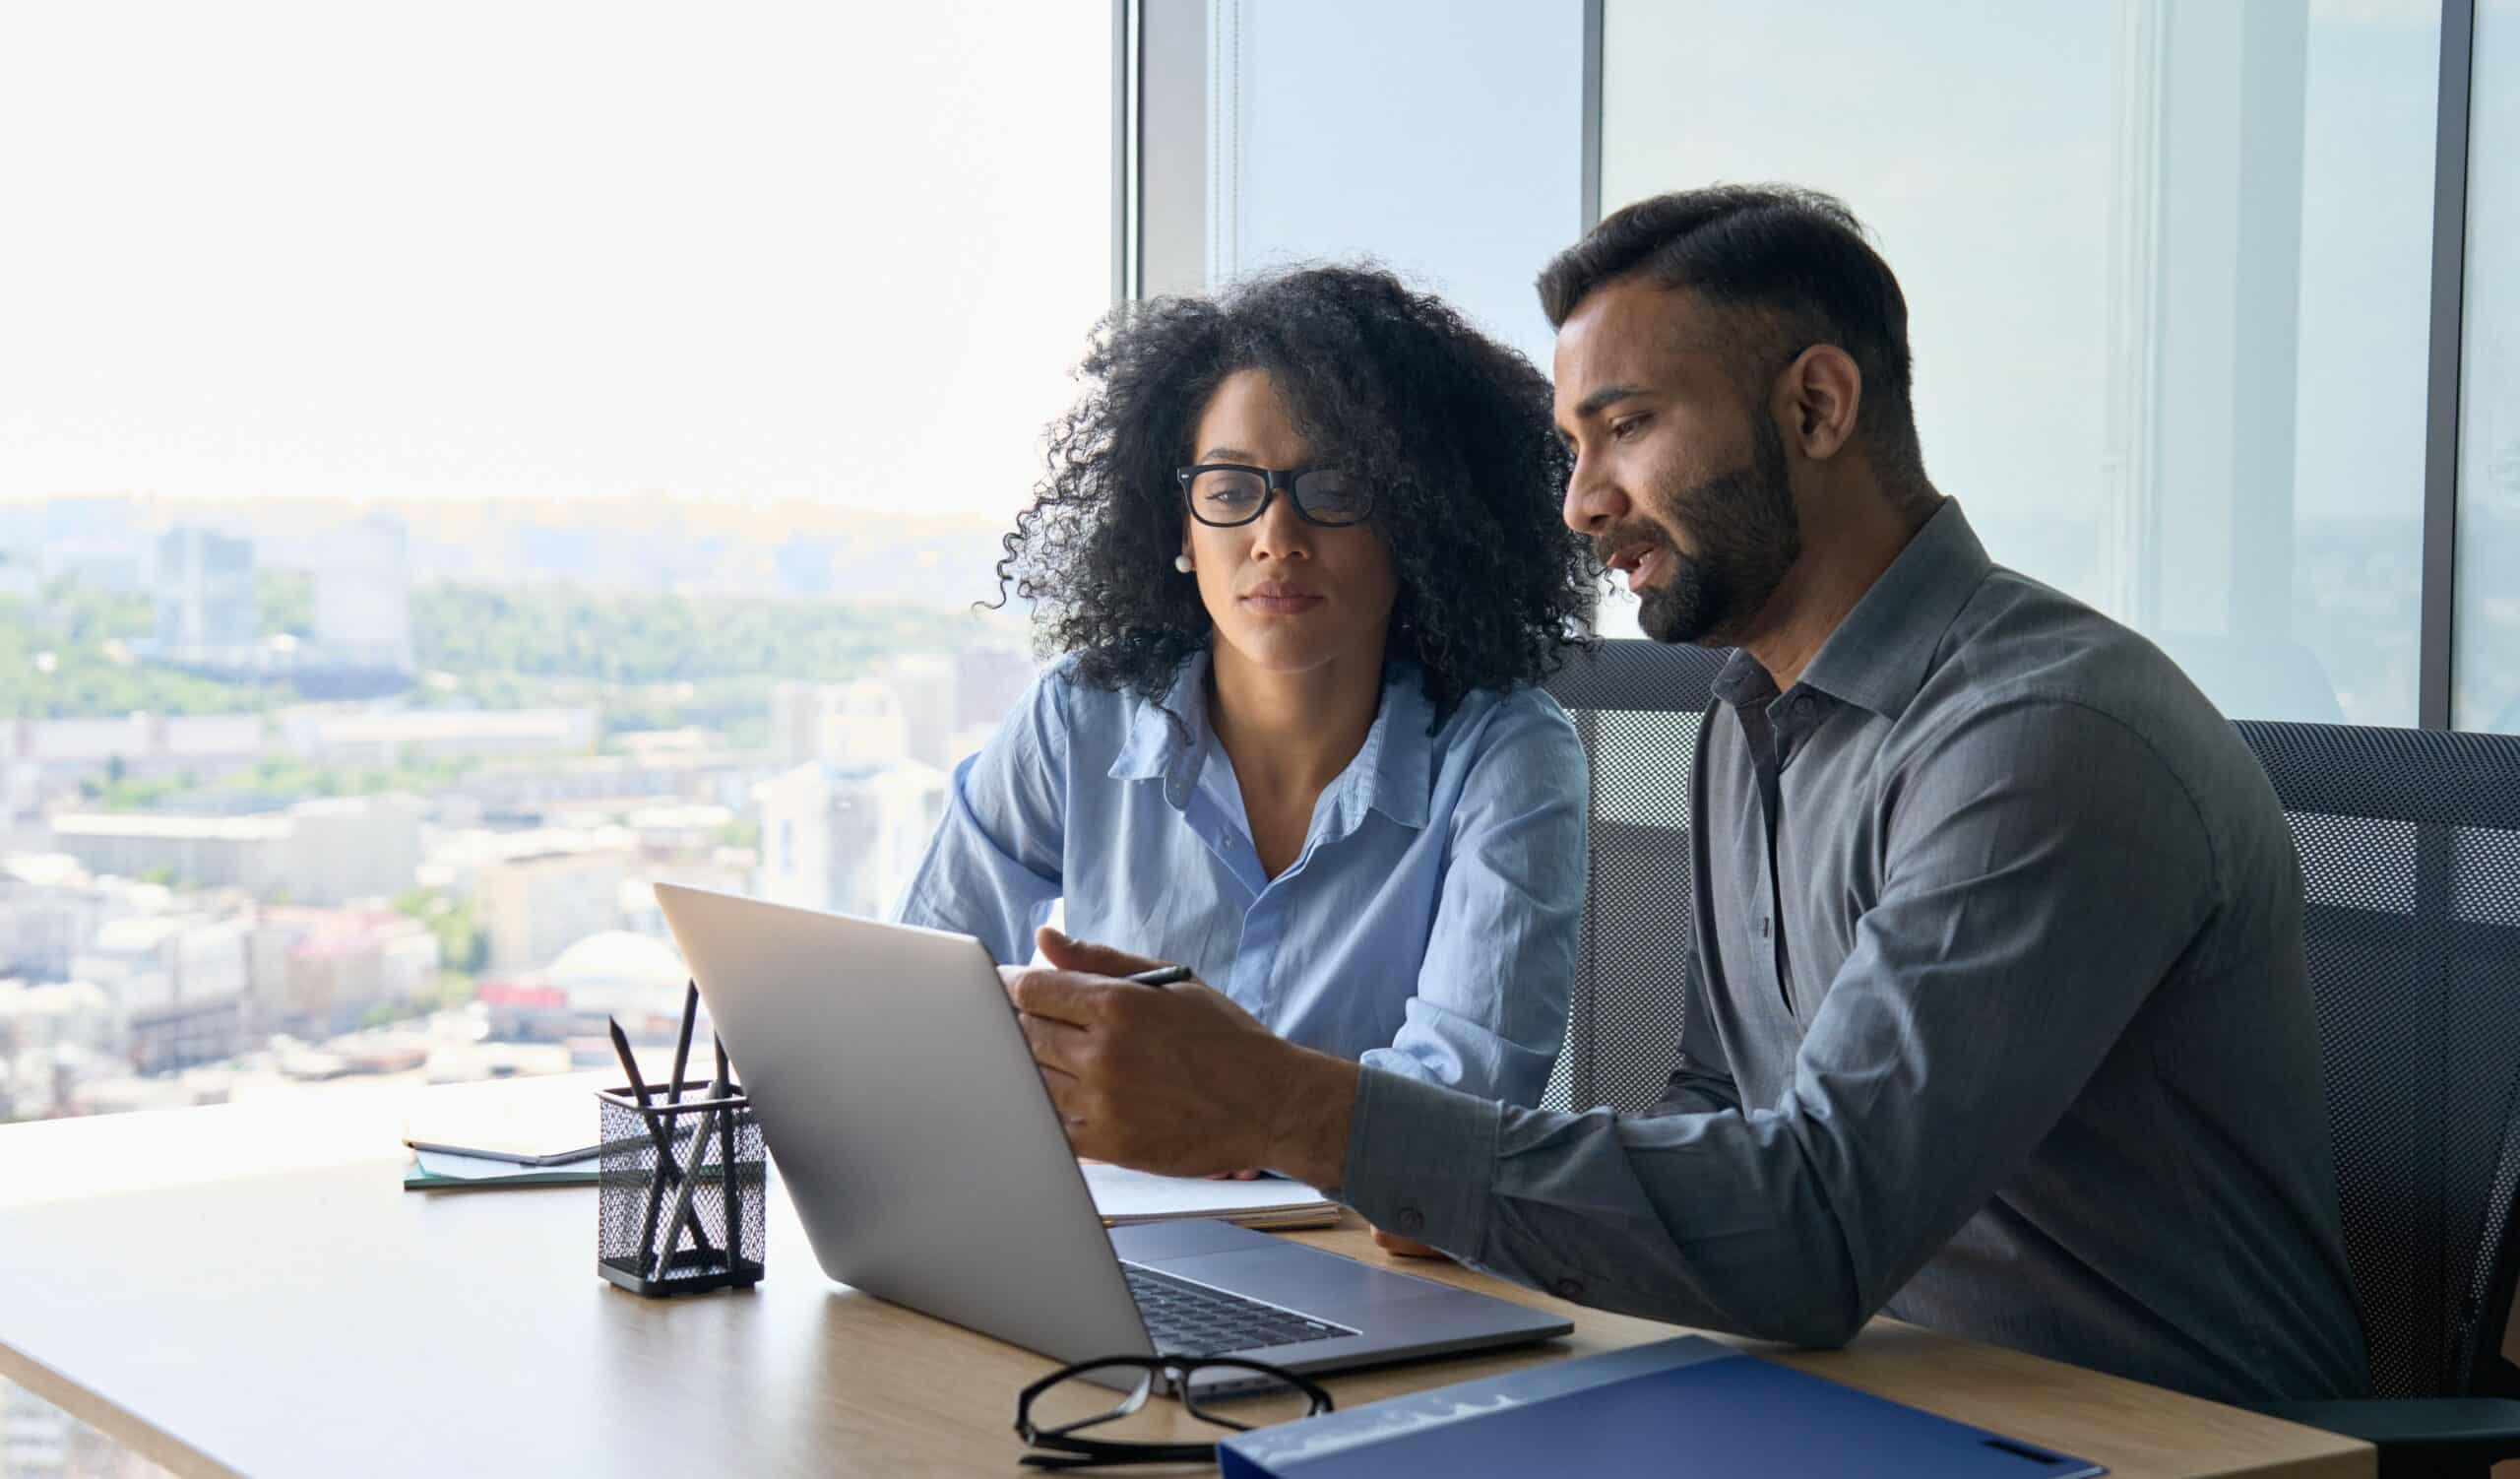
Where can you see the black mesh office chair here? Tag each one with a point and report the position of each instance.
(1637, 705)
(2409, 844)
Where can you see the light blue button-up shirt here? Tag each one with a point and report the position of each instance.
(1427, 927)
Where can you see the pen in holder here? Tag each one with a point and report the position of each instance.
(680, 1207)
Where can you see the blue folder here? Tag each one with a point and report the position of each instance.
(1680, 1407)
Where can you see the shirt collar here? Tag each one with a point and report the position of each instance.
(1169, 736)
(1881, 654)
(1391, 774)
(1169, 740)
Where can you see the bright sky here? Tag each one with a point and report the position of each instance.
(471, 250)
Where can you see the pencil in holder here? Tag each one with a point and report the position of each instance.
(680, 1209)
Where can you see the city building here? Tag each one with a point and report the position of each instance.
(847, 837)
(923, 685)
(363, 596)
(926, 707)
(318, 971)
(636, 980)
(179, 1034)
(531, 790)
(347, 848)
(322, 851)
(862, 722)
(46, 1033)
(239, 852)
(75, 520)
(988, 681)
(723, 870)
(384, 737)
(679, 832)
(524, 1009)
(48, 909)
(206, 613)
(177, 984)
(116, 562)
(535, 904)
(143, 741)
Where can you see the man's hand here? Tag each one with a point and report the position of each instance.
(1177, 1079)
(1407, 1247)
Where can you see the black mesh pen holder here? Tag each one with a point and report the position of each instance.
(683, 1189)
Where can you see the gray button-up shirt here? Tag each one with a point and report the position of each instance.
(2000, 1022)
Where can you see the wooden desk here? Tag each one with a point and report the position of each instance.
(319, 1321)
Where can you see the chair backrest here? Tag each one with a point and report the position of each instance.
(2410, 846)
(1637, 705)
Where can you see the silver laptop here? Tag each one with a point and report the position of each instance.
(901, 1105)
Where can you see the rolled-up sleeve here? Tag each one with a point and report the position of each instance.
(2046, 870)
(1489, 1011)
(993, 868)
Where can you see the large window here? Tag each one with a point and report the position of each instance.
(2487, 637)
(1438, 137)
(2168, 273)
(460, 465)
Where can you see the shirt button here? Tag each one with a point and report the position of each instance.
(1569, 1288)
(1763, 927)
(1803, 707)
(1412, 1221)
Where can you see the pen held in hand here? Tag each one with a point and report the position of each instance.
(1164, 974)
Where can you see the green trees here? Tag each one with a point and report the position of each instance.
(461, 947)
(648, 659)
(658, 660)
(619, 639)
(73, 654)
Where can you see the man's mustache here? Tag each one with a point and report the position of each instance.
(1611, 540)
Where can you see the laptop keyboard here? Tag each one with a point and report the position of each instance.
(1194, 1319)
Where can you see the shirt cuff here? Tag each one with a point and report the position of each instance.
(1422, 1160)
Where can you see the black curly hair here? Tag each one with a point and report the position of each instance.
(1451, 430)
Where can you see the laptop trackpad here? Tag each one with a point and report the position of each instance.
(1322, 1284)
(1159, 1242)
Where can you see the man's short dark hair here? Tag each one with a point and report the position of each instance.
(1795, 261)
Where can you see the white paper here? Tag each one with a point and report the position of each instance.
(1124, 1196)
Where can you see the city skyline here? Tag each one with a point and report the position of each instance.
(489, 893)
(657, 543)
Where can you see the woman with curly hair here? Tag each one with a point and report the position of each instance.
(1299, 544)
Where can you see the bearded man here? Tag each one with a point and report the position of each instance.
(1998, 1021)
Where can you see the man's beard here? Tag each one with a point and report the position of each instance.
(1748, 535)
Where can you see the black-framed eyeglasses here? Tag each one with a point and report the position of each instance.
(1053, 1413)
(1226, 494)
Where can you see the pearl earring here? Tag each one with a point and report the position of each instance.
(1181, 563)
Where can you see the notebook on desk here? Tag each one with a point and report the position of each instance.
(526, 1122)
(1128, 1198)
(441, 1171)
(1124, 1197)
